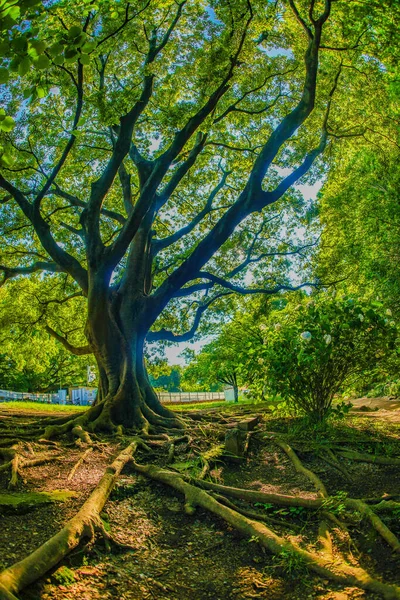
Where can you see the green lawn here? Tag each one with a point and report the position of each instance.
(20, 406)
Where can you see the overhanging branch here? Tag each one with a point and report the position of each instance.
(242, 290)
(10, 272)
(168, 336)
(77, 350)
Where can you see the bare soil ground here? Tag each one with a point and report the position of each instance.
(174, 556)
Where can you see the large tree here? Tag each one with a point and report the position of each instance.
(144, 163)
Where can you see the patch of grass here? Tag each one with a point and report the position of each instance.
(64, 576)
(291, 564)
(21, 406)
(20, 502)
(197, 406)
(227, 406)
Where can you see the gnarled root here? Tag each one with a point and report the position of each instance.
(300, 468)
(82, 434)
(369, 458)
(338, 571)
(34, 566)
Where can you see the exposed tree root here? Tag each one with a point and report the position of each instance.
(14, 472)
(311, 503)
(375, 521)
(18, 462)
(325, 539)
(78, 463)
(300, 468)
(82, 434)
(330, 458)
(254, 496)
(82, 525)
(253, 514)
(369, 458)
(337, 571)
(386, 506)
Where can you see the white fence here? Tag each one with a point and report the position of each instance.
(164, 397)
(181, 397)
(6, 396)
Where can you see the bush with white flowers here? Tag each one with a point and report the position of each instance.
(312, 349)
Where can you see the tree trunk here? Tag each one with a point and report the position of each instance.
(125, 397)
(236, 392)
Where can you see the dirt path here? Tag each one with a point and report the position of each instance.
(387, 409)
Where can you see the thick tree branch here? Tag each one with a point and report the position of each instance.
(159, 245)
(57, 168)
(169, 336)
(65, 261)
(10, 272)
(148, 198)
(77, 350)
(244, 291)
(181, 171)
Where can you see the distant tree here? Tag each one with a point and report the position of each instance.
(166, 377)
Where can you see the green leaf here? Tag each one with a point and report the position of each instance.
(38, 46)
(70, 53)
(88, 47)
(84, 59)
(41, 92)
(4, 75)
(42, 62)
(7, 124)
(24, 66)
(6, 160)
(74, 31)
(56, 49)
(58, 60)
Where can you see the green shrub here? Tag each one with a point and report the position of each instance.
(312, 349)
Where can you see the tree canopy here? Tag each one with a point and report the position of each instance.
(149, 153)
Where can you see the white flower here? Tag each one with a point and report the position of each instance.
(260, 361)
(361, 317)
(306, 336)
(389, 312)
(278, 326)
(327, 338)
(263, 327)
